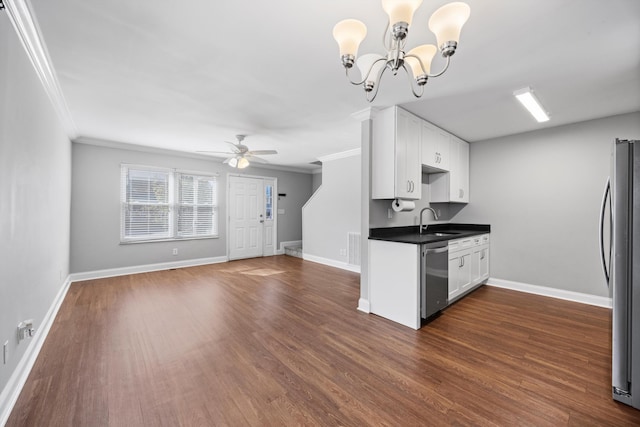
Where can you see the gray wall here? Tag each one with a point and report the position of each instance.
(316, 181)
(380, 208)
(35, 188)
(541, 192)
(95, 208)
(334, 210)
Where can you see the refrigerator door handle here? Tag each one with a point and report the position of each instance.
(603, 209)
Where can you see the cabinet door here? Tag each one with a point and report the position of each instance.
(484, 262)
(459, 171)
(465, 271)
(476, 268)
(428, 140)
(463, 171)
(408, 177)
(454, 277)
(443, 150)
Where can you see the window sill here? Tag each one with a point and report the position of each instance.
(180, 239)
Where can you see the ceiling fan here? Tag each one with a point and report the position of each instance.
(240, 154)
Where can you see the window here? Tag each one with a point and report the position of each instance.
(268, 202)
(162, 204)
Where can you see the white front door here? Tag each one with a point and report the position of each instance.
(246, 217)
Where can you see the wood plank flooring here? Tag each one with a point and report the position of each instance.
(278, 341)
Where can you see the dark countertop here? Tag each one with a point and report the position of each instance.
(409, 234)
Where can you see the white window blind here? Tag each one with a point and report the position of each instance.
(197, 206)
(161, 204)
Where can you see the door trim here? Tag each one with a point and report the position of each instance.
(275, 208)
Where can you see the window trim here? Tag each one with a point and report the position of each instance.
(174, 203)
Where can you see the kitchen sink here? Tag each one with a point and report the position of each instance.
(440, 233)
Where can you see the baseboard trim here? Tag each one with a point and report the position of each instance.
(289, 243)
(123, 271)
(363, 305)
(551, 292)
(331, 262)
(11, 392)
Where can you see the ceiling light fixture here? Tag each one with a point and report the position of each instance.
(445, 23)
(531, 103)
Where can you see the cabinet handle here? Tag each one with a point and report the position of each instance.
(408, 186)
(482, 254)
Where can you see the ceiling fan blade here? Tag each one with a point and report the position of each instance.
(256, 159)
(236, 147)
(227, 160)
(262, 152)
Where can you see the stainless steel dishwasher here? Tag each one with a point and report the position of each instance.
(434, 278)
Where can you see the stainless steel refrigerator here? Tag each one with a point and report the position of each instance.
(622, 203)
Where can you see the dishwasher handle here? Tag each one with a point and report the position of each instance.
(436, 250)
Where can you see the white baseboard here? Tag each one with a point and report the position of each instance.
(331, 262)
(12, 390)
(363, 305)
(551, 292)
(289, 243)
(123, 271)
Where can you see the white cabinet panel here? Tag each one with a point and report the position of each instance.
(394, 281)
(454, 185)
(396, 155)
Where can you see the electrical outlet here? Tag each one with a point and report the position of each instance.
(389, 213)
(175, 251)
(25, 329)
(5, 352)
(439, 213)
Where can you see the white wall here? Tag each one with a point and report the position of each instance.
(541, 192)
(35, 189)
(334, 210)
(96, 200)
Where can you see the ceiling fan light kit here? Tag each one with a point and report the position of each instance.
(446, 23)
(241, 154)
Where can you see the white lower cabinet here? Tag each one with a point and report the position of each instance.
(468, 264)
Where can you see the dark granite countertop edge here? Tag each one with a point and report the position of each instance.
(409, 234)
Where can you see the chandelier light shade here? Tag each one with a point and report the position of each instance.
(371, 67)
(420, 57)
(400, 10)
(446, 23)
(349, 34)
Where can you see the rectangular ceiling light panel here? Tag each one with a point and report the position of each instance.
(531, 103)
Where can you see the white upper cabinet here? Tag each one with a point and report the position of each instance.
(396, 155)
(435, 148)
(454, 185)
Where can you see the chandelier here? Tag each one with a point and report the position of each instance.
(445, 23)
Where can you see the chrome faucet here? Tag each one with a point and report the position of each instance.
(435, 216)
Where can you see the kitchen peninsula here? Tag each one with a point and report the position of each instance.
(402, 276)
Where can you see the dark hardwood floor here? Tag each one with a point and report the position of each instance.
(278, 341)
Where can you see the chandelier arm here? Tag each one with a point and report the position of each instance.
(377, 87)
(416, 94)
(446, 66)
(356, 83)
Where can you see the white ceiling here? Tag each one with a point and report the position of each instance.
(187, 75)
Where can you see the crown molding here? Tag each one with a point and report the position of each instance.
(341, 155)
(366, 114)
(99, 142)
(26, 26)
